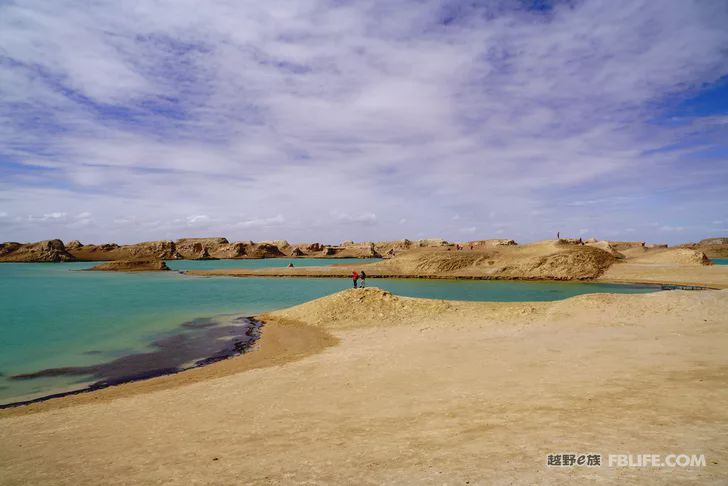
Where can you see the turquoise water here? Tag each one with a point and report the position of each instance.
(52, 315)
(719, 261)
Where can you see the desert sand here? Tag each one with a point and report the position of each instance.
(384, 389)
(546, 260)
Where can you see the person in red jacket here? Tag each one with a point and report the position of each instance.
(355, 276)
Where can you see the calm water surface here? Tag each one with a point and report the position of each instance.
(53, 316)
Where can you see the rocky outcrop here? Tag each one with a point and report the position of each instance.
(297, 252)
(625, 245)
(604, 245)
(488, 243)
(163, 249)
(194, 248)
(264, 250)
(712, 247)
(137, 265)
(713, 241)
(42, 251)
(280, 244)
(8, 247)
(206, 255)
(570, 241)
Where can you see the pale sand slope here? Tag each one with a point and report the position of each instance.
(713, 276)
(419, 391)
(542, 260)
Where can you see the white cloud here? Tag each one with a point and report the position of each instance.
(359, 218)
(198, 218)
(52, 217)
(305, 108)
(262, 222)
(672, 228)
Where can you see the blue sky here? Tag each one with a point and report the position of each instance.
(332, 120)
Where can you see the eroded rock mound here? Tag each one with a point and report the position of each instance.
(264, 250)
(137, 265)
(712, 247)
(713, 241)
(163, 249)
(606, 246)
(489, 243)
(42, 251)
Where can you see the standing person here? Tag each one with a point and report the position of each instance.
(355, 277)
(558, 235)
(363, 278)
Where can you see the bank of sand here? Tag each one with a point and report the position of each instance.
(384, 389)
(713, 276)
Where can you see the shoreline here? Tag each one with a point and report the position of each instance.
(35, 404)
(649, 283)
(279, 342)
(403, 390)
(262, 324)
(239, 347)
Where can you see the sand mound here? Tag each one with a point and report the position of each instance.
(543, 260)
(713, 241)
(141, 265)
(604, 245)
(673, 256)
(625, 245)
(629, 309)
(360, 307)
(712, 247)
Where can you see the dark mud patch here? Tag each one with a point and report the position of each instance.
(200, 342)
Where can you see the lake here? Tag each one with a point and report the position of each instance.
(102, 325)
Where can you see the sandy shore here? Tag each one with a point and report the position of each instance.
(713, 276)
(380, 389)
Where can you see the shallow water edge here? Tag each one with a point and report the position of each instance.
(170, 355)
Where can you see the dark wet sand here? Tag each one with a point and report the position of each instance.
(280, 342)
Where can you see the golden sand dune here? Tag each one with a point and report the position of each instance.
(543, 260)
(411, 391)
(547, 260)
(672, 256)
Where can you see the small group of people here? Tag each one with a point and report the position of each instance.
(360, 279)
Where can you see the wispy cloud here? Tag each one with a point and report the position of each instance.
(164, 114)
(358, 218)
(262, 222)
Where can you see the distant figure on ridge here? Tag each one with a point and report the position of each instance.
(290, 265)
(355, 277)
(558, 235)
(363, 278)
